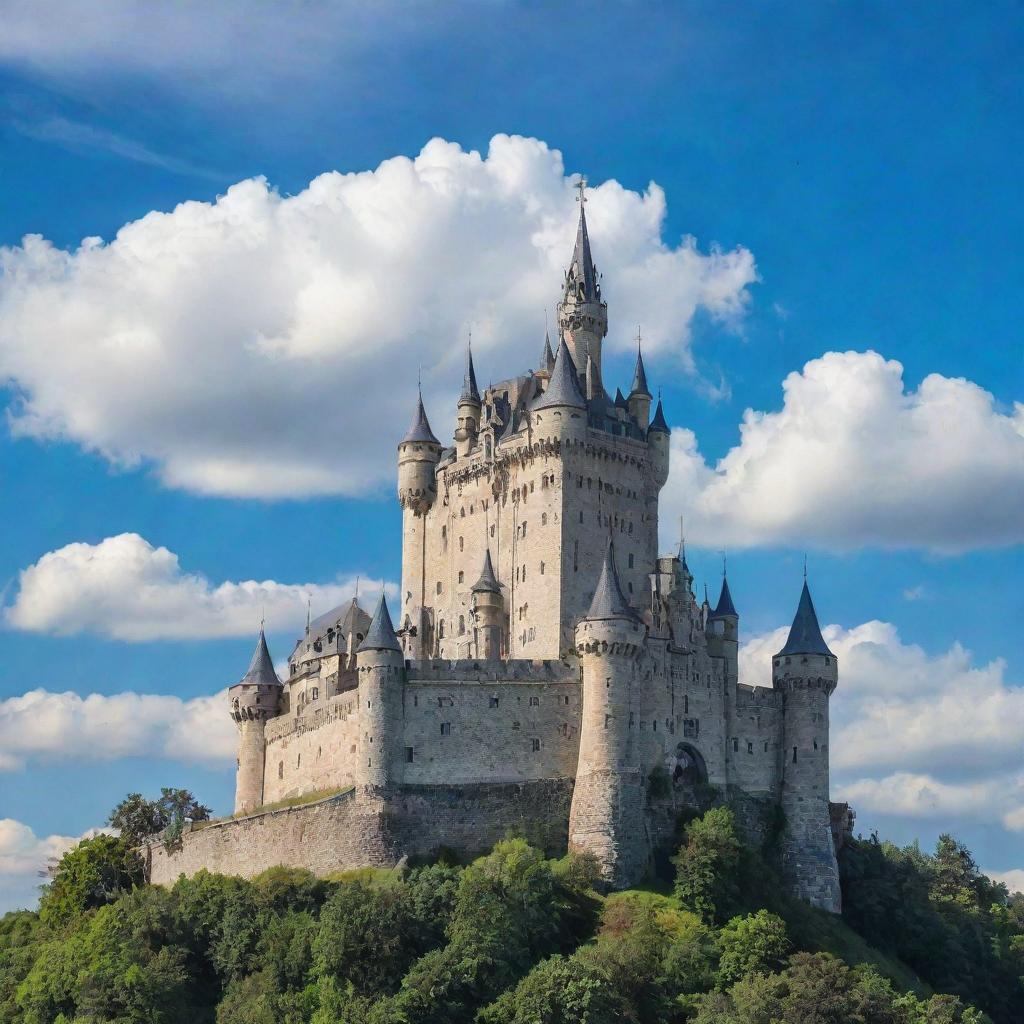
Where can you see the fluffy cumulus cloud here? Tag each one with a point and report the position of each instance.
(24, 859)
(855, 458)
(47, 726)
(1012, 879)
(266, 345)
(916, 735)
(126, 589)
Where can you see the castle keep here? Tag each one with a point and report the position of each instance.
(544, 669)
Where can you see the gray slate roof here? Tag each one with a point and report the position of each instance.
(261, 668)
(547, 357)
(563, 388)
(381, 634)
(582, 268)
(488, 582)
(640, 378)
(658, 422)
(805, 633)
(609, 601)
(419, 429)
(725, 606)
(469, 389)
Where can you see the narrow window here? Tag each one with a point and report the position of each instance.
(735, 746)
(581, 515)
(408, 755)
(565, 700)
(535, 745)
(316, 694)
(462, 624)
(446, 728)
(534, 702)
(542, 568)
(631, 561)
(493, 702)
(750, 746)
(794, 755)
(492, 530)
(766, 746)
(462, 545)
(462, 576)
(438, 585)
(543, 519)
(280, 769)
(524, 527)
(298, 761)
(686, 705)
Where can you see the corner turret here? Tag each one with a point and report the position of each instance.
(639, 394)
(381, 673)
(560, 410)
(469, 409)
(488, 612)
(582, 313)
(418, 454)
(607, 813)
(659, 442)
(723, 632)
(254, 699)
(807, 672)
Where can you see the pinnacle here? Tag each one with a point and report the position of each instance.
(609, 601)
(563, 388)
(487, 583)
(381, 634)
(658, 423)
(640, 378)
(419, 429)
(470, 391)
(805, 633)
(261, 668)
(725, 606)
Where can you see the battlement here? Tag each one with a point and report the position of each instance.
(757, 697)
(480, 672)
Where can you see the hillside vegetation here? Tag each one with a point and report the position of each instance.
(512, 938)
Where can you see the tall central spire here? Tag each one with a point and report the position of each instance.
(581, 283)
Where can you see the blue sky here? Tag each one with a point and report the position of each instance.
(190, 412)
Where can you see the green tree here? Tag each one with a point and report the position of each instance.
(707, 866)
(755, 943)
(138, 819)
(95, 872)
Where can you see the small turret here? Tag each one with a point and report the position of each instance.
(381, 672)
(547, 357)
(659, 442)
(639, 395)
(254, 699)
(560, 410)
(469, 409)
(606, 816)
(418, 454)
(723, 632)
(488, 611)
(806, 671)
(582, 313)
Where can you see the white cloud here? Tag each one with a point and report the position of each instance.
(854, 458)
(24, 858)
(267, 346)
(913, 734)
(42, 725)
(126, 589)
(1012, 879)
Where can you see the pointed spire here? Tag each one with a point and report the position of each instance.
(682, 547)
(805, 633)
(381, 634)
(620, 399)
(261, 668)
(547, 358)
(419, 429)
(582, 271)
(725, 607)
(488, 583)
(470, 392)
(609, 601)
(563, 388)
(640, 376)
(658, 423)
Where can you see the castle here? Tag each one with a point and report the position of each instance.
(545, 671)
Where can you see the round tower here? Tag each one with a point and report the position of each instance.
(582, 313)
(607, 813)
(418, 455)
(488, 612)
(806, 671)
(254, 699)
(560, 411)
(380, 667)
(723, 634)
(658, 440)
(639, 402)
(469, 409)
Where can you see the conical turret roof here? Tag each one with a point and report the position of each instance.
(261, 668)
(725, 606)
(381, 634)
(470, 392)
(419, 429)
(563, 388)
(609, 601)
(658, 423)
(547, 357)
(620, 399)
(640, 378)
(805, 633)
(582, 269)
(487, 583)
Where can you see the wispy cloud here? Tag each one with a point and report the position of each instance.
(79, 137)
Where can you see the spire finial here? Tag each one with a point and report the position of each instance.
(805, 565)
(581, 186)
(309, 609)
(638, 339)
(682, 540)
(356, 596)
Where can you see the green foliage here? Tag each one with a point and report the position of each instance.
(513, 938)
(91, 874)
(707, 865)
(138, 819)
(752, 944)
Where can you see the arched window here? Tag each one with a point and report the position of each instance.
(543, 519)
(462, 544)
(462, 624)
(440, 630)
